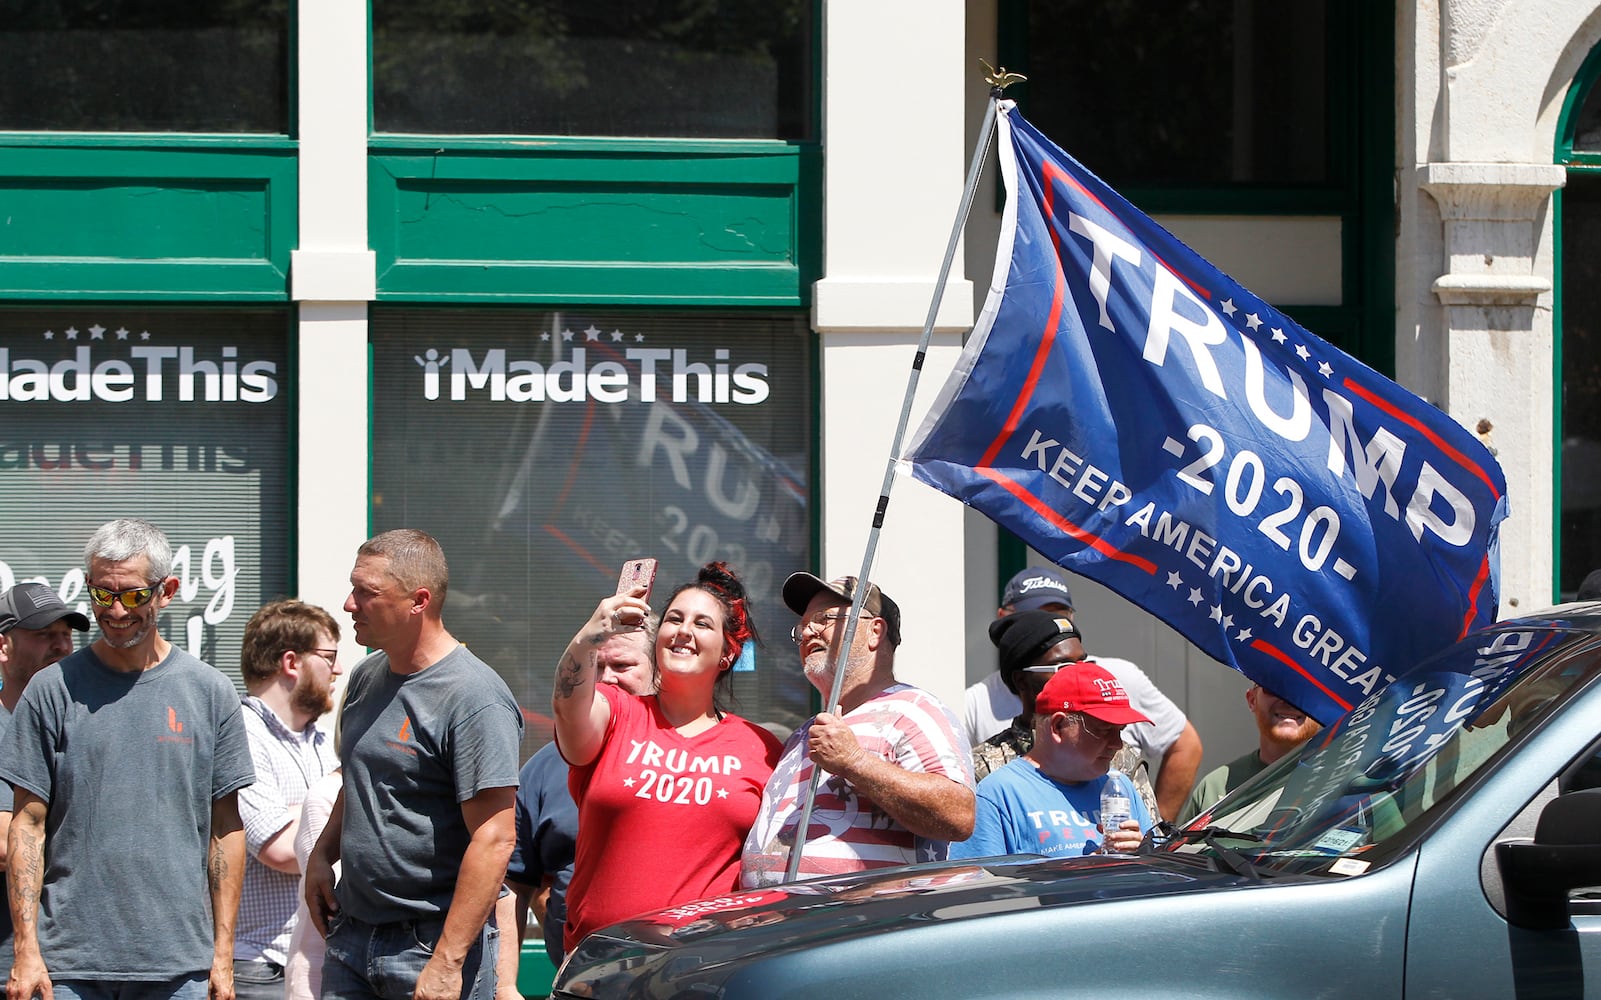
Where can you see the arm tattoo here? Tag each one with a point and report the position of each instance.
(27, 876)
(216, 865)
(569, 675)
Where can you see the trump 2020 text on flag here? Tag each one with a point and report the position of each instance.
(1139, 418)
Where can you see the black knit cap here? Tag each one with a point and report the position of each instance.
(1024, 636)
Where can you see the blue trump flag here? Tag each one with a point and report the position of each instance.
(1139, 418)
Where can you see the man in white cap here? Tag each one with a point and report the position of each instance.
(1168, 741)
(35, 631)
(1048, 801)
(898, 784)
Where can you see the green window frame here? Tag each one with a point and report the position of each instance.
(633, 221)
(151, 217)
(148, 218)
(1582, 162)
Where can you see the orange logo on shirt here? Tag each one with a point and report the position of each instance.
(174, 733)
(401, 737)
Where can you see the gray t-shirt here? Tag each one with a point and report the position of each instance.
(414, 747)
(128, 765)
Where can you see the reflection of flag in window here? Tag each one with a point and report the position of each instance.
(1138, 417)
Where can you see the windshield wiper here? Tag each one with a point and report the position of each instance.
(1227, 857)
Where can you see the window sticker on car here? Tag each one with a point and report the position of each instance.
(1340, 839)
(1349, 866)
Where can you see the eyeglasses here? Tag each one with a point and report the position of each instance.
(331, 655)
(133, 597)
(820, 622)
(1105, 735)
(1046, 668)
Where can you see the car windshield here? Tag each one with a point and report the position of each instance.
(1361, 789)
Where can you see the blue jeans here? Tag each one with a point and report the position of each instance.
(383, 961)
(257, 980)
(191, 987)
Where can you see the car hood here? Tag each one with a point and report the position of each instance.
(748, 927)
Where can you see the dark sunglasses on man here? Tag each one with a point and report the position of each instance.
(133, 597)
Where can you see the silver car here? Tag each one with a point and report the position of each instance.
(1428, 844)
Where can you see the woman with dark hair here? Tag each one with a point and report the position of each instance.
(668, 784)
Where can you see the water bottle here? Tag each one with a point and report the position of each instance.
(1115, 808)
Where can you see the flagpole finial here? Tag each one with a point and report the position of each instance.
(999, 79)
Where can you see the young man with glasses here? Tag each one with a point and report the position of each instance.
(898, 785)
(289, 660)
(1049, 800)
(126, 759)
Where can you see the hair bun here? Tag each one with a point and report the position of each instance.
(720, 576)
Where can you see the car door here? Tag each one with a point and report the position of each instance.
(1459, 941)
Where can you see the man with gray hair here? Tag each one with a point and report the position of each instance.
(424, 825)
(126, 758)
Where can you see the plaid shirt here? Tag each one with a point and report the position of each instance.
(287, 764)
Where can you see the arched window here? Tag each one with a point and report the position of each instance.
(1578, 334)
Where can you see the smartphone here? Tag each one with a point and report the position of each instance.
(637, 573)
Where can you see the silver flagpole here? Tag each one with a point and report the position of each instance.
(998, 80)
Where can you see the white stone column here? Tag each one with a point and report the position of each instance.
(895, 154)
(1497, 354)
(332, 278)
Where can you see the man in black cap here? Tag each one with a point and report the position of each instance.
(898, 777)
(35, 631)
(1168, 741)
(1033, 647)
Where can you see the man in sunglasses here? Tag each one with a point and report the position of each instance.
(289, 659)
(1280, 728)
(126, 759)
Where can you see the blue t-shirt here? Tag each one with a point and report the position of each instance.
(1021, 811)
(547, 838)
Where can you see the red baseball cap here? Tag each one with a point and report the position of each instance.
(1087, 687)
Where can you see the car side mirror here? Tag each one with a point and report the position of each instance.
(1565, 855)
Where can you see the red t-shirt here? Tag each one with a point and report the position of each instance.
(661, 818)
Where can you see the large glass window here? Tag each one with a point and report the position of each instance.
(1580, 535)
(543, 449)
(679, 68)
(144, 66)
(1198, 93)
(178, 416)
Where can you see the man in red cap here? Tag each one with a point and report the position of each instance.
(1049, 800)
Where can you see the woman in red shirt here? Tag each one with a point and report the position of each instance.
(668, 784)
